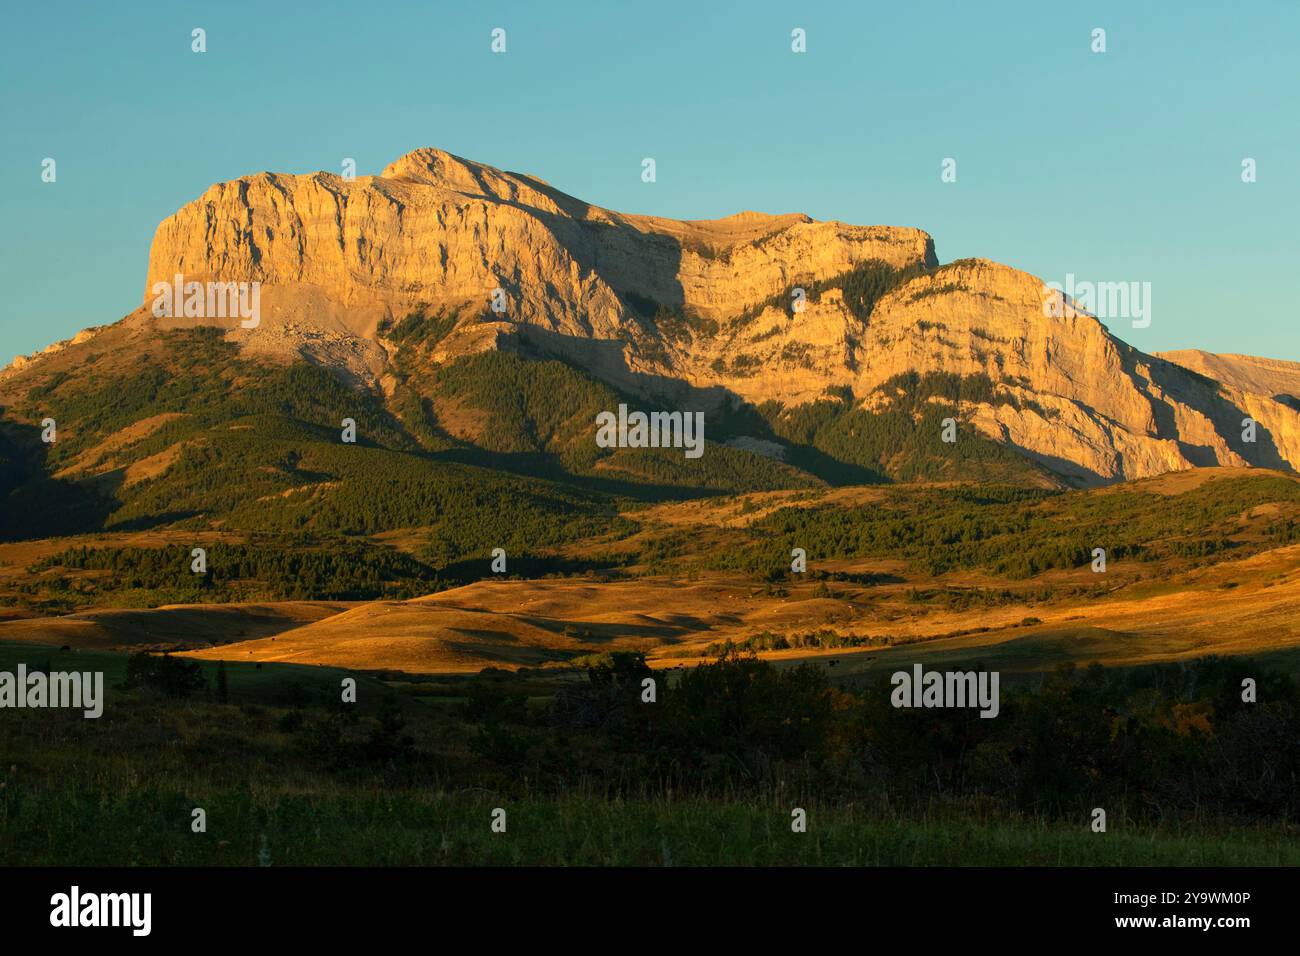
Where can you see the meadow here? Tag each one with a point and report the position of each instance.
(589, 774)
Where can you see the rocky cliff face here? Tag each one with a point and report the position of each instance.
(698, 305)
(436, 229)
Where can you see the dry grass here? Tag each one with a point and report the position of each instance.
(184, 624)
(1244, 607)
(1145, 613)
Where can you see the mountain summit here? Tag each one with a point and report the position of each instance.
(819, 326)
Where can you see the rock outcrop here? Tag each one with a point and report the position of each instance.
(1249, 373)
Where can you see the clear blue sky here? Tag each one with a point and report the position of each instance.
(1117, 166)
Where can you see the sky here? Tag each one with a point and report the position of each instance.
(1117, 166)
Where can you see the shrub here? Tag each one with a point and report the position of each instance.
(164, 674)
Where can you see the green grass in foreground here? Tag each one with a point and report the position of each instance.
(82, 829)
(283, 779)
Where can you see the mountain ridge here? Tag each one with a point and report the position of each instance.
(761, 310)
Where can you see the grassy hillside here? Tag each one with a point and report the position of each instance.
(488, 450)
(196, 437)
(899, 439)
(1151, 530)
(537, 416)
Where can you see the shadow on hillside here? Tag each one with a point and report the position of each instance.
(637, 265)
(727, 415)
(1225, 416)
(550, 466)
(35, 504)
(1193, 389)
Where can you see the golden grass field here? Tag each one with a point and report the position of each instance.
(1245, 606)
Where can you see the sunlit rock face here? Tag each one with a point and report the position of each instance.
(705, 304)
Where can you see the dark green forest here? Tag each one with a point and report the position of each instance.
(1019, 532)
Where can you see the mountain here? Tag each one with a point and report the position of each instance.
(820, 353)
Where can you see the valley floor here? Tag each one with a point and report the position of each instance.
(1246, 607)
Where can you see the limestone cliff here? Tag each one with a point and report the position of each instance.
(700, 305)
